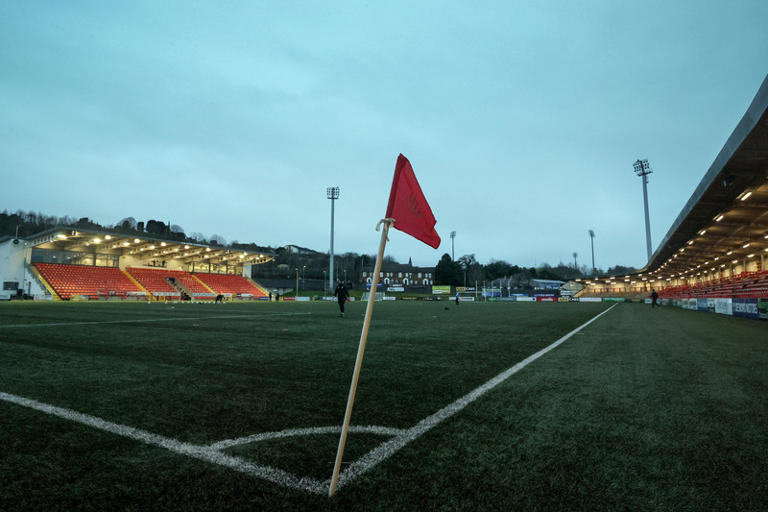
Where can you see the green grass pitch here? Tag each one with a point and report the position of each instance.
(643, 409)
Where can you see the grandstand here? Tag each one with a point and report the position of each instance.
(718, 245)
(64, 263)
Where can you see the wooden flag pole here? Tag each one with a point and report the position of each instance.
(360, 350)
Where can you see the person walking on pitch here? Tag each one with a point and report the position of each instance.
(654, 298)
(342, 294)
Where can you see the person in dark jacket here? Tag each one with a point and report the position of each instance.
(654, 298)
(342, 294)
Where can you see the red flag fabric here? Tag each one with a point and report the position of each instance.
(408, 206)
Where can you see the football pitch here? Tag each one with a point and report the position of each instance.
(498, 406)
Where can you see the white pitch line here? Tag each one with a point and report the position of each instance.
(388, 448)
(213, 454)
(145, 320)
(205, 453)
(264, 436)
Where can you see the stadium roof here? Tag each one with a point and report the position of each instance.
(66, 238)
(726, 218)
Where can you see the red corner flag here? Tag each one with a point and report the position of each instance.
(408, 206)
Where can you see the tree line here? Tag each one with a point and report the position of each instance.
(24, 224)
(309, 264)
(466, 271)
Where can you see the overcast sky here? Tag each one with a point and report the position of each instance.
(521, 119)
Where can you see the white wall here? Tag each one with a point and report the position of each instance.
(12, 259)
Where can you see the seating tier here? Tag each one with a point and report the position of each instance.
(155, 281)
(227, 283)
(746, 285)
(69, 280)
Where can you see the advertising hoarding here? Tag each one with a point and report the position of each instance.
(745, 308)
(762, 308)
(724, 306)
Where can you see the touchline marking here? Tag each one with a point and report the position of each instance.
(145, 320)
(388, 448)
(212, 453)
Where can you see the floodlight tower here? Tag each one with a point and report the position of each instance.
(642, 169)
(333, 195)
(453, 236)
(592, 239)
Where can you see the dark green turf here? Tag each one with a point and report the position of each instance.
(644, 409)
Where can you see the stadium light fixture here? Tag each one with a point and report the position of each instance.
(702, 232)
(64, 237)
(729, 253)
(136, 240)
(746, 196)
(750, 255)
(643, 169)
(745, 245)
(719, 217)
(332, 194)
(107, 237)
(592, 241)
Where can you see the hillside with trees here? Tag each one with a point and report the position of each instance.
(308, 263)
